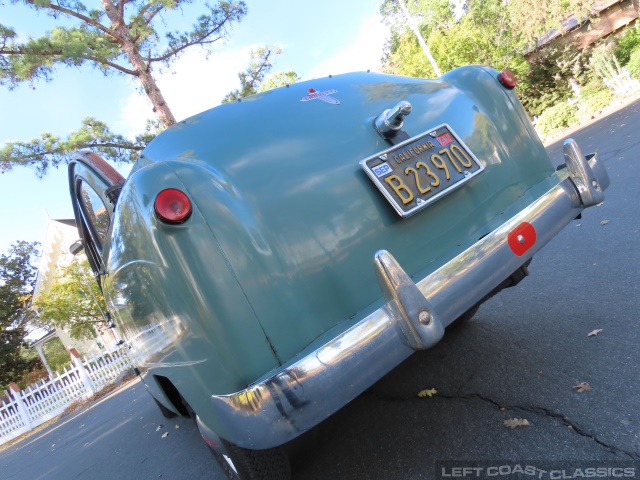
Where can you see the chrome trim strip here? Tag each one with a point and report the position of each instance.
(301, 395)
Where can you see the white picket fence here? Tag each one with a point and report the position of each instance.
(46, 399)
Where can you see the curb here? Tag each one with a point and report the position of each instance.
(618, 103)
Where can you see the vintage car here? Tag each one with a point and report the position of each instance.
(266, 261)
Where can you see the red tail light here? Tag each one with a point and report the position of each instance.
(507, 79)
(172, 206)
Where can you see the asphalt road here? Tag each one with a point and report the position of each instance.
(520, 357)
(119, 437)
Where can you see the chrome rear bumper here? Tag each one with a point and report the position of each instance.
(296, 398)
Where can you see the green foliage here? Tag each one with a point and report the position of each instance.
(430, 14)
(279, 79)
(634, 65)
(407, 58)
(494, 33)
(95, 39)
(32, 377)
(481, 36)
(123, 38)
(17, 280)
(603, 62)
(252, 80)
(547, 81)
(593, 99)
(556, 118)
(533, 19)
(73, 302)
(57, 356)
(50, 150)
(628, 43)
(28, 376)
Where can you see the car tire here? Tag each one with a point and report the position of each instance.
(244, 464)
(463, 319)
(166, 413)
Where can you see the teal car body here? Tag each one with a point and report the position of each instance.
(294, 283)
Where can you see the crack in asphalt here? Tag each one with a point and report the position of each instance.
(550, 413)
(529, 409)
(613, 154)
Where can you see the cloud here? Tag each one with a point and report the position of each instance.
(364, 53)
(195, 83)
(135, 111)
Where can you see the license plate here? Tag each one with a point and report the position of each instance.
(415, 173)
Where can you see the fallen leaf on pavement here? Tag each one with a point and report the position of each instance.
(604, 222)
(165, 434)
(582, 387)
(427, 393)
(177, 427)
(159, 428)
(593, 333)
(517, 422)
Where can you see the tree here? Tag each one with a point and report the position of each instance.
(73, 302)
(122, 37)
(482, 36)
(488, 32)
(278, 80)
(547, 81)
(17, 280)
(56, 354)
(50, 150)
(533, 19)
(252, 80)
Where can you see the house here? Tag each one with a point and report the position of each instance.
(612, 16)
(60, 234)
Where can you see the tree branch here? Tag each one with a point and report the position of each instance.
(140, 17)
(207, 26)
(177, 50)
(52, 53)
(128, 71)
(50, 150)
(77, 15)
(149, 18)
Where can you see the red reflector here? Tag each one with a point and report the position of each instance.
(522, 238)
(507, 79)
(172, 206)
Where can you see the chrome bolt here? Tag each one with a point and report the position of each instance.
(420, 201)
(520, 239)
(595, 185)
(424, 317)
(383, 156)
(466, 173)
(433, 134)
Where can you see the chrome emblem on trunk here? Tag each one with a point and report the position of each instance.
(324, 96)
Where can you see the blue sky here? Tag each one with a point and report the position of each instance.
(317, 39)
